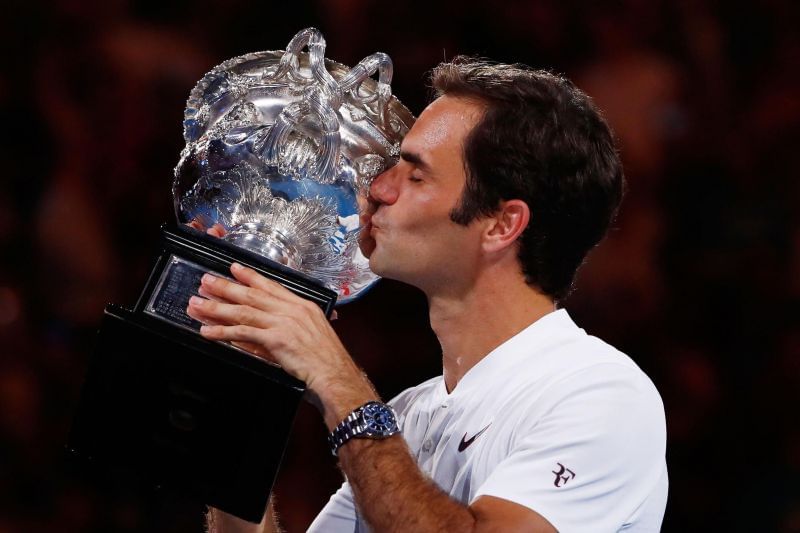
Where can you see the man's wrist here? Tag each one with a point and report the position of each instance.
(336, 397)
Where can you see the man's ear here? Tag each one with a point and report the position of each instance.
(506, 225)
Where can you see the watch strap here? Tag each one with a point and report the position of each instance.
(355, 426)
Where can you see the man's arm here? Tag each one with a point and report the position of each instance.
(392, 493)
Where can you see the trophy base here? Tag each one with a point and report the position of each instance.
(177, 409)
(184, 413)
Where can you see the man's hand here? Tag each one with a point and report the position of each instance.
(219, 522)
(217, 230)
(270, 321)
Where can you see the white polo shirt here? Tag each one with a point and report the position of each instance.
(552, 419)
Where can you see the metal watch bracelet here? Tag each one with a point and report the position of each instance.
(355, 425)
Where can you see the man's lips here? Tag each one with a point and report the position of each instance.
(366, 239)
(369, 223)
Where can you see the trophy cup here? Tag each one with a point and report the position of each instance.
(281, 147)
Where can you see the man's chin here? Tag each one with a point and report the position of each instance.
(388, 270)
(382, 265)
(375, 264)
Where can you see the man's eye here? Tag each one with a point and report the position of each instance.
(414, 179)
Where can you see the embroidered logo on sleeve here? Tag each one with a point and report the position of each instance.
(466, 442)
(563, 475)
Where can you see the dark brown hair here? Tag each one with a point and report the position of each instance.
(543, 141)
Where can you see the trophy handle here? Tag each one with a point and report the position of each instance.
(289, 64)
(321, 99)
(312, 106)
(379, 62)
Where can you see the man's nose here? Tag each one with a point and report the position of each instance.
(384, 188)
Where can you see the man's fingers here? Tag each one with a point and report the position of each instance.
(221, 289)
(254, 349)
(201, 312)
(206, 321)
(217, 230)
(238, 333)
(194, 311)
(249, 338)
(214, 312)
(253, 289)
(205, 294)
(251, 278)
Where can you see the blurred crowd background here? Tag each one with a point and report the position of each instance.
(699, 281)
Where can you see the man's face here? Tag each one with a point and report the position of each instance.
(415, 240)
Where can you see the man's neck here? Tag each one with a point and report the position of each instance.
(472, 324)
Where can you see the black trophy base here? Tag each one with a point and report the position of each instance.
(178, 410)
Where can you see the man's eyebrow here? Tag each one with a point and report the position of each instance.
(415, 159)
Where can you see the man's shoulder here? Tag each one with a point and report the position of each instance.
(592, 364)
(590, 360)
(545, 368)
(555, 348)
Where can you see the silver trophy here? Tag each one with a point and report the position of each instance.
(281, 147)
(280, 150)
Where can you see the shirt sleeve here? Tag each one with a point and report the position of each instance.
(595, 462)
(338, 515)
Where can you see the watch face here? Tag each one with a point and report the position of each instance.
(379, 419)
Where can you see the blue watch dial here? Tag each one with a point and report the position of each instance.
(379, 419)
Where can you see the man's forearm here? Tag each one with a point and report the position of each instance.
(393, 494)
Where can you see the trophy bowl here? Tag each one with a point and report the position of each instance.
(281, 147)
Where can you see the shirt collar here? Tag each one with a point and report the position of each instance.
(522, 345)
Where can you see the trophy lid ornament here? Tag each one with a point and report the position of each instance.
(281, 147)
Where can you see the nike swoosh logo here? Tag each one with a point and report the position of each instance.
(464, 444)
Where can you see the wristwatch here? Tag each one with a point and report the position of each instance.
(373, 420)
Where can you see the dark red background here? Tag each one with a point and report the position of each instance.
(699, 281)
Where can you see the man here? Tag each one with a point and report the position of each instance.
(505, 182)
